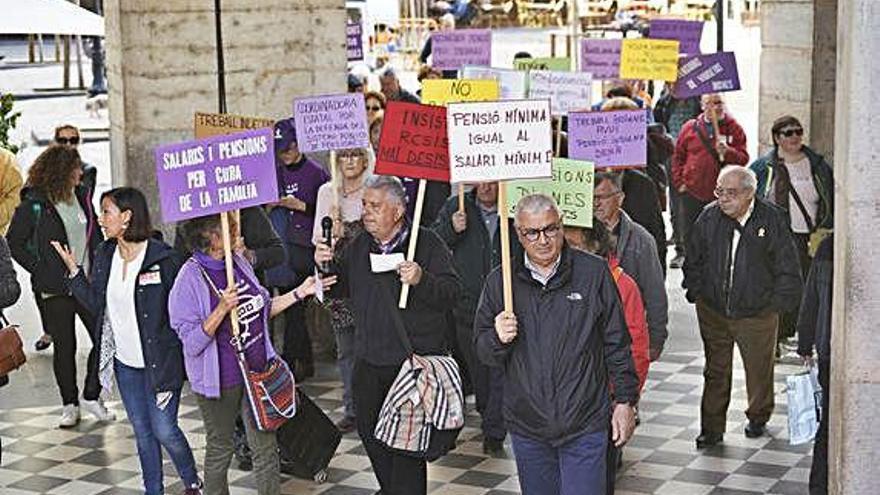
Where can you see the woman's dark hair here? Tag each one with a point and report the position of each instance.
(130, 199)
(197, 232)
(51, 171)
(598, 237)
(782, 123)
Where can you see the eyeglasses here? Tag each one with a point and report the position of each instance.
(71, 140)
(549, 231)
(374, 109)
(727, 193)
(792, 132)
(603, 197)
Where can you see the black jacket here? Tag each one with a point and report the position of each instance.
(34, 225)
(642, 204)
(374, 295)
(163, 358)
(814, 320)
(767, 274)
(474, 253)
(10, 290)
(571, 338)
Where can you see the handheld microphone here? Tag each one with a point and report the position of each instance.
(327, 232)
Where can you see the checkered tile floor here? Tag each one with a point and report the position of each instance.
(98, 459)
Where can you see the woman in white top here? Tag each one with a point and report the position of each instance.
(128, 294)
(341, 201)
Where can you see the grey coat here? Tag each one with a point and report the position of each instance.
(637, 252)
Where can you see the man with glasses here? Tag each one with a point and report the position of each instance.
(741, 271)
(699, 155)
(565, 339)
(68, 135)
(637, 252)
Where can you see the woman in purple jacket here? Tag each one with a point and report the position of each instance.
(198, 308)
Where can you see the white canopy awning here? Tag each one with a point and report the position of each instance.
(48, 17)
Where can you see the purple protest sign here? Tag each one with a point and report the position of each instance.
(354, 41)
(601, 58)
(712, 73)
(688, 33)
(452, 50)
(331, 122)
(609, 139)
(216, 174)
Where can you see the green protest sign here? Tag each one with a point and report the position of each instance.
(543, 63)
(571, 187)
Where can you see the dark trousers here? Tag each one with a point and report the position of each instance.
(575, 468)
(788, 319)
(58, 314)
(756, 339)
(689, 209)
(297, 343)
(397, 474)
(486, 382)
(675, 216)
(819, 469)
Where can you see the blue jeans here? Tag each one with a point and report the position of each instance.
(154, 427)
(575, 468)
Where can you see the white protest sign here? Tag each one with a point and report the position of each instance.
(567, 91)
(512, 82)
(499, 140)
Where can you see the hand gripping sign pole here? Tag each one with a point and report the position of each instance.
(413, 238)
(506, 270)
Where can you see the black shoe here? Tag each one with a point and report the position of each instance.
(677, 262)
(346, 425)
(43, 342)
(755, 429)
(245, 464)
(709, 439)
(494, 447)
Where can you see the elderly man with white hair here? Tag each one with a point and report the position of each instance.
(390, 84)
(559, 348)
(741, 271)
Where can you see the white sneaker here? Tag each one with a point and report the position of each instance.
(69, 416)
(96, 407)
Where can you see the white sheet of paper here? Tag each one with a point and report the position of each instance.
(319, 288)
(381, 263)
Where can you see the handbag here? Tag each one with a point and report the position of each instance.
(11, 348)
(441, 441)
(271, 393)
(817, 234)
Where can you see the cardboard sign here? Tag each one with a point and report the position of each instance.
(452, 50)
(216, 174)
(609, 139)
(544, 63)
(649, 59)
(567, 91)
(331, 122)
(499, 140)
(688, 33)
(414, 142)
(571, 186)
(354, 41)
(512, 82)
(601, 58)
(217, 124)
(440, 92)
(712, 73)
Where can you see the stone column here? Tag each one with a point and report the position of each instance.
(824, 73)
(161, 65)
(854, 453)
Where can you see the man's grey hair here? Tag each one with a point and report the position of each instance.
(616, 179)
(390, 185)
(389, 73)
(747, 178)
(535, 204)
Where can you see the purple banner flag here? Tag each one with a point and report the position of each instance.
(712, 73)
(216, 174)
(608, 139)
(354, 41)
(452, 50)
(601, 58)
(688, 33)
(331, 122)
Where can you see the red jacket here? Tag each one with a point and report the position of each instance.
(634, 313)
(693, 165)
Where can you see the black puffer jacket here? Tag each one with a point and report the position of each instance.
(814, 320)
(571, 338)
(767, 274)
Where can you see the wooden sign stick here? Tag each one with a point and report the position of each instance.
(230, 273)
(413, 238)
(334, 180)
(506, 269)
(461, 197)
(714, 118)
(559, 137)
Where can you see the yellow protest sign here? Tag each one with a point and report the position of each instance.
(649, 59)
(440, 92)
(217, 124)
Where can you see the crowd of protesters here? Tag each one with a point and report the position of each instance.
(560, 374)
